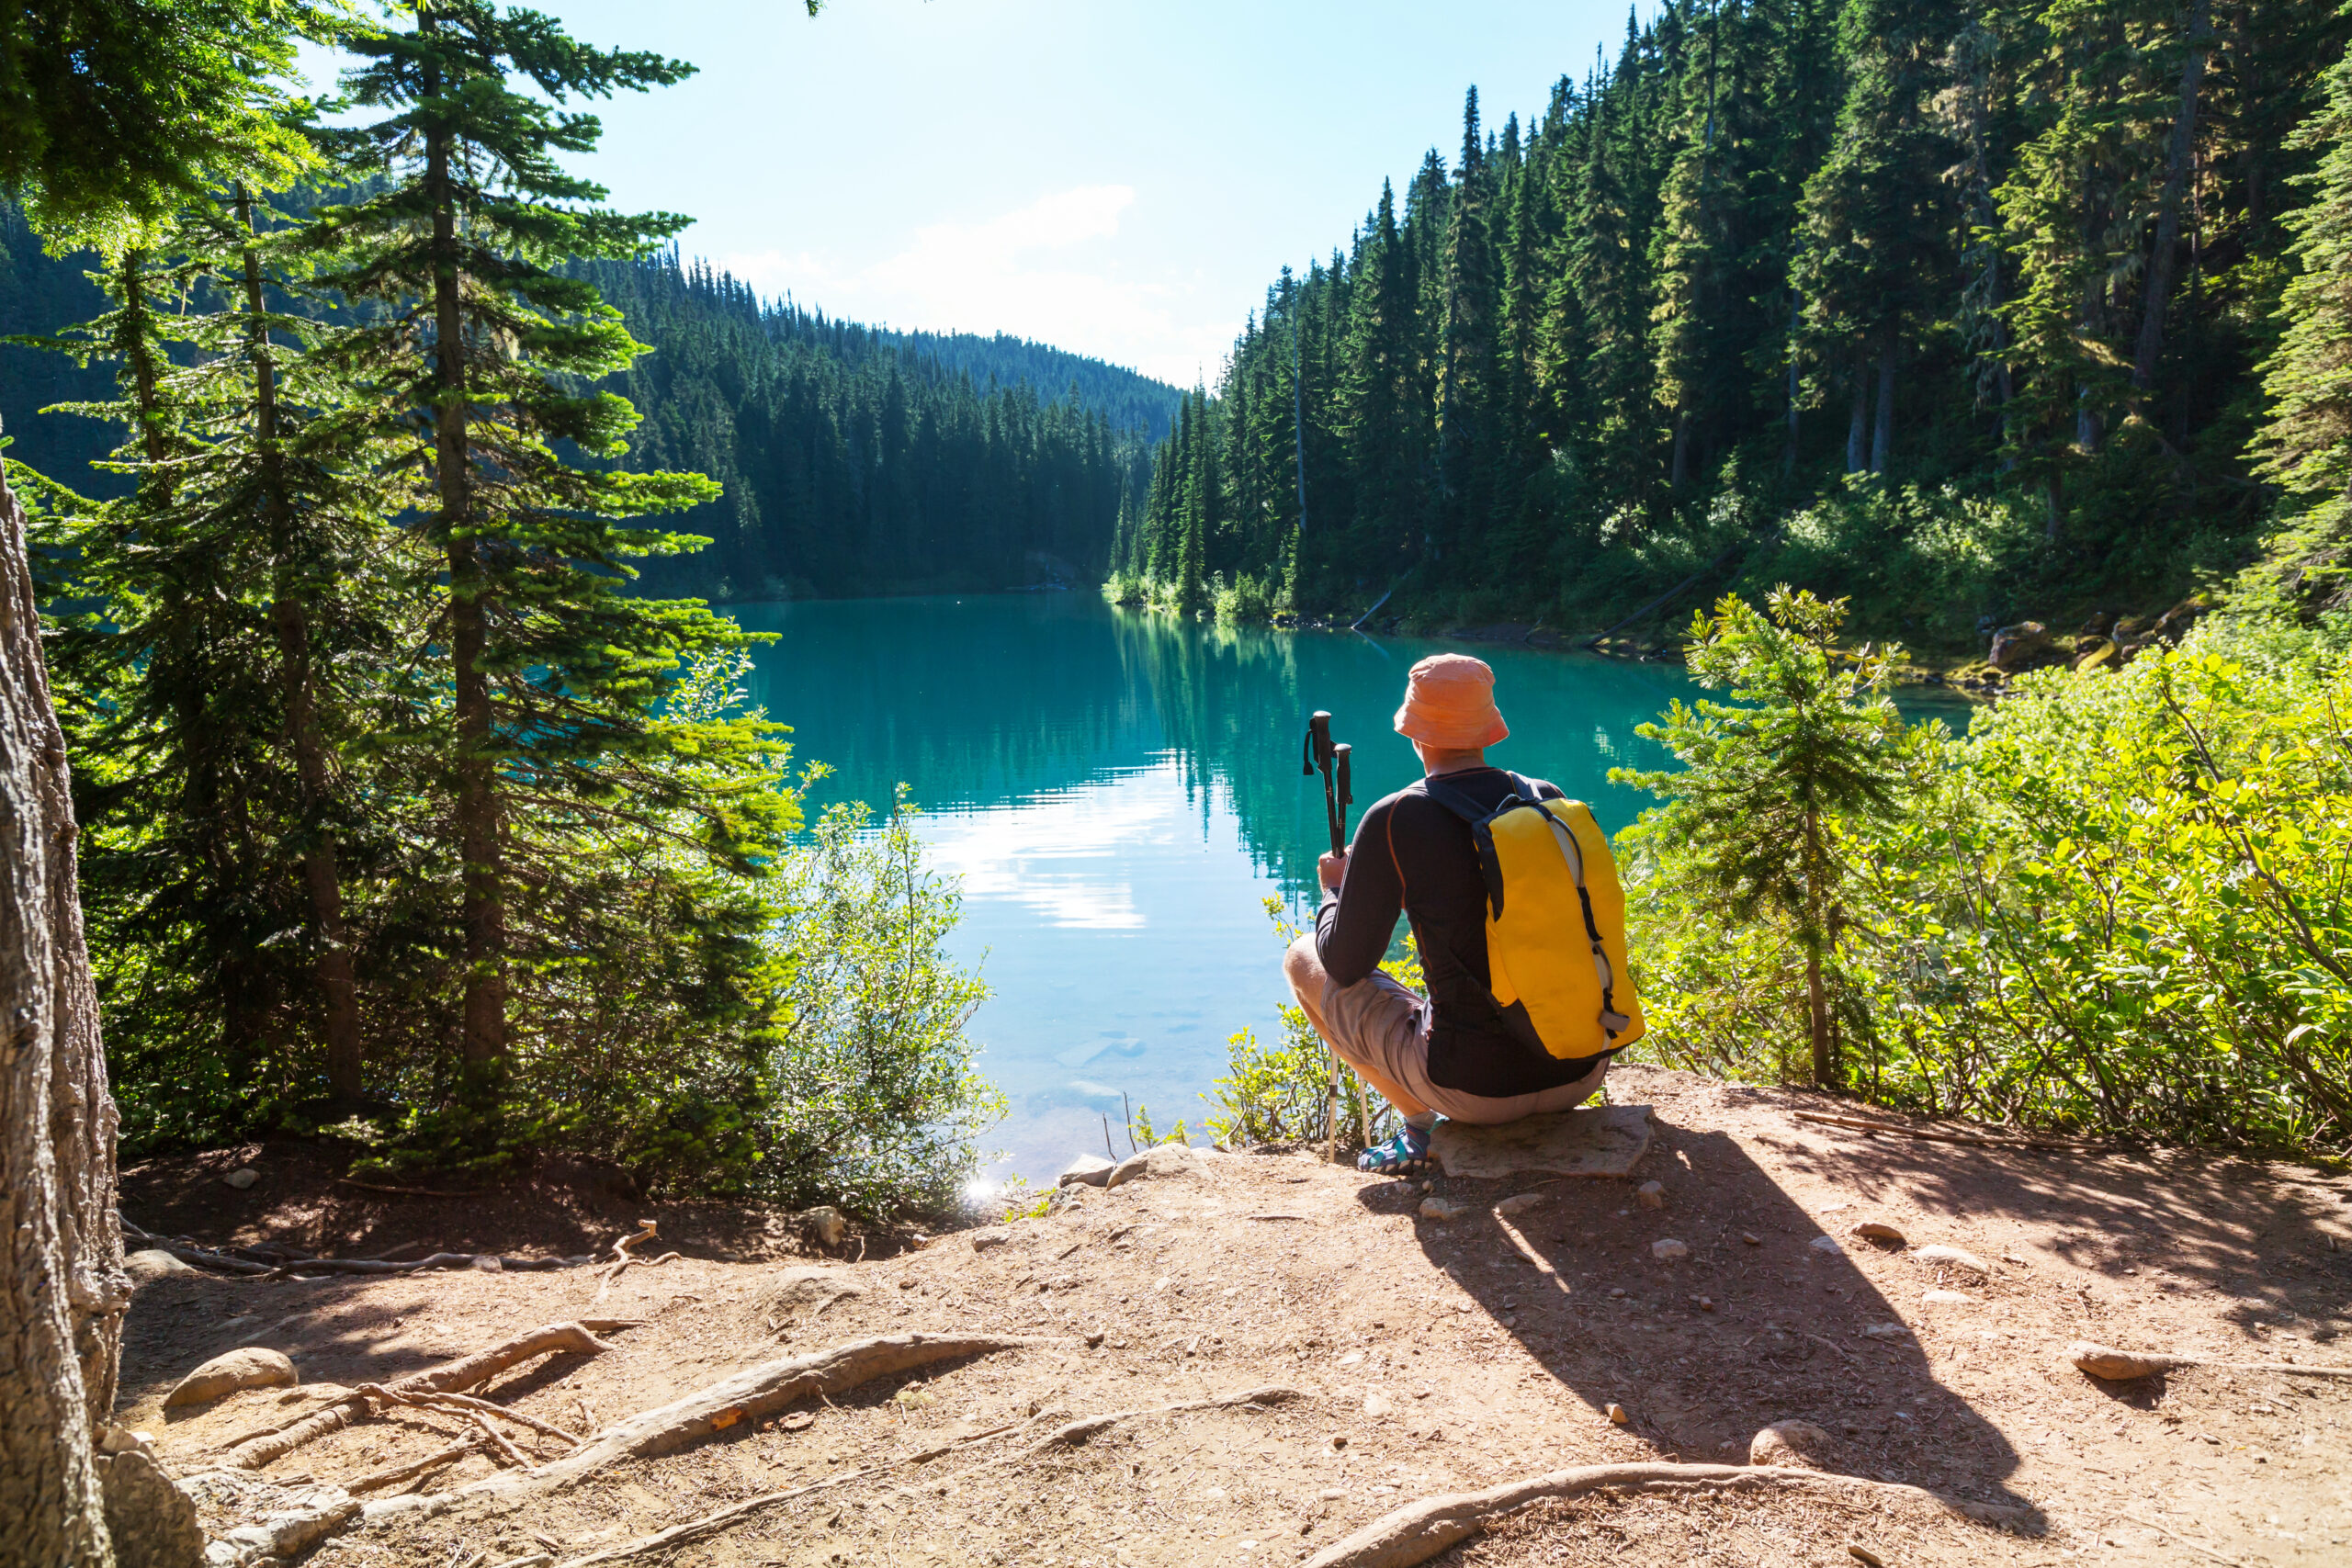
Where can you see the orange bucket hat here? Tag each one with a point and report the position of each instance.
(1450, 703)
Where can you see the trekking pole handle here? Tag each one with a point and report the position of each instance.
(1323, 757)
(1336, 794)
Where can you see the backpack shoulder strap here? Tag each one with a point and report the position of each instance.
(1482, 839)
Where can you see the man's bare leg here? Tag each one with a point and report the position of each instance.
(1304, 969)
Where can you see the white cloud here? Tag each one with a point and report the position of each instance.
(1057, 270)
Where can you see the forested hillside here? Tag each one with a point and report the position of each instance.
(1960, 309)
(854, 460)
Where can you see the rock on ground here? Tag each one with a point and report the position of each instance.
(809, 1289)
(154, 1264)
(1800, 1445)
(1595, 1140)
(252, 1367)
(1091, 1169)
(1952, 1258)
(1170, 1160)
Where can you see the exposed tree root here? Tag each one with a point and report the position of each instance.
(1085, 1426)
(400, 1191)
(1418, 1531)
(258, 1448)
(747, 1396)
(317, 1268)
(734, 1513)
(394, 1474)
(2121, 1365)
(291, 1536)
(291, 1263)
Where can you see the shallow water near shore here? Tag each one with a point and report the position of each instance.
(1119, 792)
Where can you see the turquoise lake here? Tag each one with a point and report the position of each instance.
(1119, 793)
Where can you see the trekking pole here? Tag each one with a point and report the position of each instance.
(1332, 761)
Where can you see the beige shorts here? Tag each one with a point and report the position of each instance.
(1379, 1025)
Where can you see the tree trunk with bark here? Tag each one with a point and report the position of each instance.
(484, 913)
(289, 619)
(1883, 427)
(2161, 257)
(1858, 417)
(63, 1288)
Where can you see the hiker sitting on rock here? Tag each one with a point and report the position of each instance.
(1479, 1048)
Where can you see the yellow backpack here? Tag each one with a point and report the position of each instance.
(1555, 921)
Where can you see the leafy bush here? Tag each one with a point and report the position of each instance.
(1282, 1092)
(2117, 907)
(1928, 561)
(872, 1099)
(1248, 599)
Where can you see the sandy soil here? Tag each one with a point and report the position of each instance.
(1429, 1356)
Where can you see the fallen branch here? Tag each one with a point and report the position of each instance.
(1937, 1136)
(747, 1396)
(2121, 1366)
(622, 1257)
(259, 1448)
(1418, 1531)
(400, 1191)
(1085, 1426)
(711, 1524)
(205, 1258)
(472, 1410)
(307, 1268)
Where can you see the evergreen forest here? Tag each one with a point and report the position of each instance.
(1960, 311)
(851, 459)
(418, 792)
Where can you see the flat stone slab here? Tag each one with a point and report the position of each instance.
(1596, 1139)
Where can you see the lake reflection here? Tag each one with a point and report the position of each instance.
(1119, 792)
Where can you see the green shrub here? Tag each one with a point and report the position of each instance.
(2116, 908)
(1282, 1092)
(872, 1102)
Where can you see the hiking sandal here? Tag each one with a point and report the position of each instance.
(1407, 1153)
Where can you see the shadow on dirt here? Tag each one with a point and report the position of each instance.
(1753, 1323)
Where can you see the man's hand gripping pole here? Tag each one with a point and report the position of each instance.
(1331, 760)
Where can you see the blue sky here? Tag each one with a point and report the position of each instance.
(1118, 178)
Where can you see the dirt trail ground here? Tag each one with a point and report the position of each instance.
(1428, 1357)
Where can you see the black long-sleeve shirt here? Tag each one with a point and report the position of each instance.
(1413, 855)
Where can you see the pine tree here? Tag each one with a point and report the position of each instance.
(539, 723)
(2306, 445)
(1873, 269)
(1466, 344)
